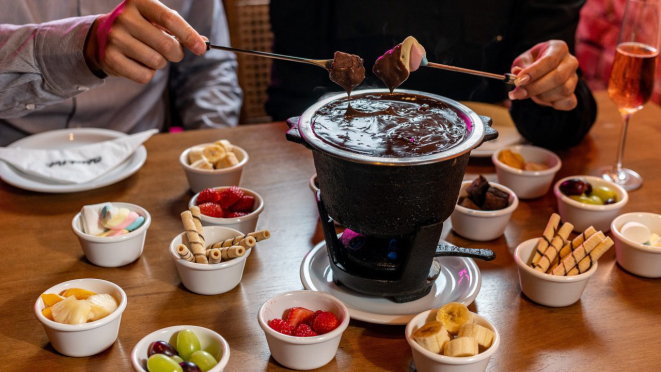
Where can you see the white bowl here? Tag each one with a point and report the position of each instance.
(583, 215)
(114, 251)
(209, 279)
(210, 341)
(482, 225)
(200, 179)
(633, 257)
(303, 353)
(81, 340)
(245, 224)
(426, 361)
(546, 289)
(528, 184)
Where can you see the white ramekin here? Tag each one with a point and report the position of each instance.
(528, 184)
(636, 258)
(245, 224)
(200, 179)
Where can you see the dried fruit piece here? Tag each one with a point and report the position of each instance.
(51, 299)
(79, 293)
(513, 159)
(48, 313)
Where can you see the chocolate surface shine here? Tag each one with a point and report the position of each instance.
(390, 69)
(390, 125)
(347, 71)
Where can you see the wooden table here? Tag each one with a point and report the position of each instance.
(614, 327)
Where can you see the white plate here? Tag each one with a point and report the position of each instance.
(508, 135)
(67, 138)
(459, 281)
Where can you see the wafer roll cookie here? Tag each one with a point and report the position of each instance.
(554, 248)
(232, 252)
(578, 254)
(260, 235)
(197, 219)
(571, 246)
(543, 243)
(586, 263)
(184, 253)
(215, 256)
(194, 239)
(247, 242)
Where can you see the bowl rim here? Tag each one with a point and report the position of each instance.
(408, 332)
(548, 277)
(119, 238)
(183, 160)
(313, 187)
(222, 362)
(552, 170)
(230, 221)
(39, 306)
(497, 213)
(631, 243)
(610, 207)
(305, 340)
(207, 267)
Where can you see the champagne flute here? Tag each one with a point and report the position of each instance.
(632, 77)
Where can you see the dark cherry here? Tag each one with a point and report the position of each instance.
(161, 347)
(610, 201)
(575, 187)
(190, 367)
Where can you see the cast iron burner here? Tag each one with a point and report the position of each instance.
(386, 267)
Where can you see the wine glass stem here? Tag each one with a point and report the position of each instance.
(620, 154)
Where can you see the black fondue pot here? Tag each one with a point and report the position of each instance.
(388, 198)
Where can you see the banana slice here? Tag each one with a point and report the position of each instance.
(432, 336)
(213, 153)
(461, 347)
(225, 144)
(483, 335)
(229, 160)
(453, 315)
(195, 154)
(202, 164)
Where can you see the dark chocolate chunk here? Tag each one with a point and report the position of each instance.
(347, 71)
(477, 190)
(495, 199)
(467, 203)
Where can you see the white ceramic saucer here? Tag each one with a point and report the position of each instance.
(508, 135)
(66, 138)
(459, 281)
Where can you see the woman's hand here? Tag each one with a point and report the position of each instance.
(547, 75)
(138, 38)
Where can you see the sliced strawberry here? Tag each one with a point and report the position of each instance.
(208, 196)
(230, 214)
(281, 326)
(325, 322)
(245, 204)
(298, 315)
(310, 320)
(211, 210)
(230, 196)
(304, 330)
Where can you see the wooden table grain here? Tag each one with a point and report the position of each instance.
(614, 327)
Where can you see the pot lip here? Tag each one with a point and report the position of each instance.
(473, 140)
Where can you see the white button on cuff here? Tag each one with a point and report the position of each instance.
(82, 88)
(30, 106)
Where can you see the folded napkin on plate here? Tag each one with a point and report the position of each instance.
(77, 164)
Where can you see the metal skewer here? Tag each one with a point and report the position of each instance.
(323, 63)
(507, 78)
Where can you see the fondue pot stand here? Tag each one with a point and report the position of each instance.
(393, 208)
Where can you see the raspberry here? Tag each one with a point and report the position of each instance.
(281, 326)
(325, 322)
(245, 204)
(208, 196)
(304, 330)
(230, 214)
(230, 196)
(211, 210)
(298, 315)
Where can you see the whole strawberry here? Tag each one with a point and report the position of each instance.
(281, 326)
(211, 210)
(208, 196)
(325, 322)
(304, 330)
(230, 196)
(245, 204)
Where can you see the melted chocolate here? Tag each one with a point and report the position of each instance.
(347, 71)
(390, 125)
(390, 69)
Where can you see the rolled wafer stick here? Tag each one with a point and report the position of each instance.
(232, 252)
(260, 235)
(586, 263)
(184, 253)
(194, 239)
(572, 245)
(543, 243)
(215, 256)
(247, 242)
(554, 248)
(197, 219)
(578, 254)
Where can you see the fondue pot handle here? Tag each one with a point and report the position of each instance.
(490, 134)
(451, 250)
(293, 135)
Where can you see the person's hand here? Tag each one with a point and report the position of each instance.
(138, 38)
(547, 75)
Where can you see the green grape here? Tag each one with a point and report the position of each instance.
(203, 360)
(177, 358)
(597, 200)
(187, 344)
(604, 193)
(583, 199)
(162, 363)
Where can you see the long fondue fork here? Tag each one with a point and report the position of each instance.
(507, 78)
(323, 63)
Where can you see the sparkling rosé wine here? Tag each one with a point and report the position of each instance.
(632, 78)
